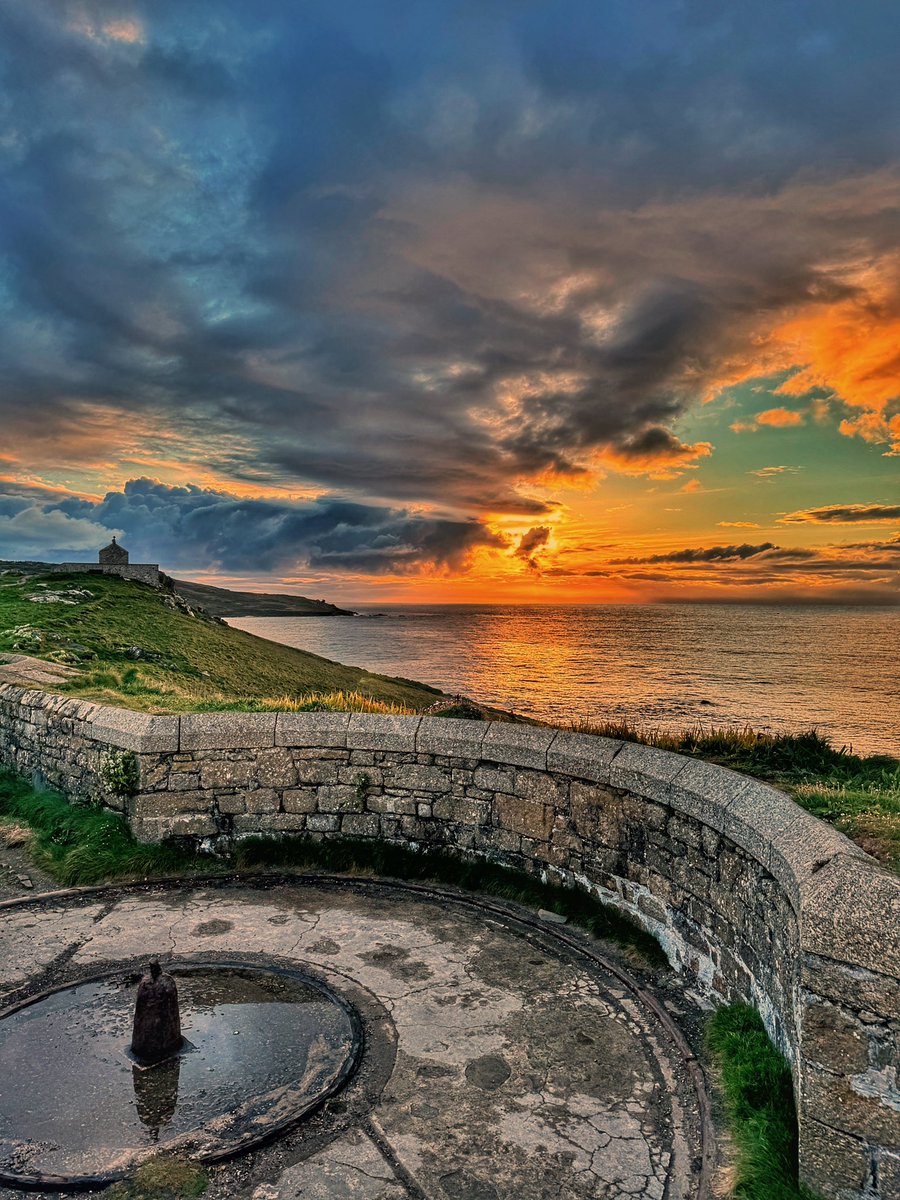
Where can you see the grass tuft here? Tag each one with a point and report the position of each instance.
(866, 807)
(759, 1104)
(161, 1178)
(83, 844)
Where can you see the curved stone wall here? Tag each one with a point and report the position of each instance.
(750, 897)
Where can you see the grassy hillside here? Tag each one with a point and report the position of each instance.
(223, 602)
(148, 649)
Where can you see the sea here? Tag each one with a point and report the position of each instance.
(665, 666)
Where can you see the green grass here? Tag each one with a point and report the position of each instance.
(84, 845)
(759, 1106)
(866, 809)
(187, 661)
(859, 795)
(161, 1178)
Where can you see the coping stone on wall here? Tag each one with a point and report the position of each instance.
(705, 791)
(799, 852)
(582, 755)
(646, 770)
(67, 706)
(86, 710)
(851, 919)
(141, 732)
(758, 814)
(517, 745)
(227, 731)
(450, 736)
(372, 731)
(322, 730)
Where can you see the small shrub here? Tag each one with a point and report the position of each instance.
(462, 712)
(119, 772)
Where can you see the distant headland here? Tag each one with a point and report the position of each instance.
(114, 559)
(222, 602)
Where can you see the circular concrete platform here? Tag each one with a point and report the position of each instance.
(504, 1058)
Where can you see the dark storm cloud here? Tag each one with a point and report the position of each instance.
(738, 565)
(191, 527)
(706, 555)
(420, 253)
(847, 514)
(531, 543)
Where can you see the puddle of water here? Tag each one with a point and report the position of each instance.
(72, 1102)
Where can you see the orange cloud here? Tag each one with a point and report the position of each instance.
(849, 347)
(853, 348)
(127, 30)
(775, 418)
(872, 427)
(770, 472)
(779, 418)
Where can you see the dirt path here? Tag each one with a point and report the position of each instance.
(18, 874)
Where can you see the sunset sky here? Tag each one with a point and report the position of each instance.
(516, 300)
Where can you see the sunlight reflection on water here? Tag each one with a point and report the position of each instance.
(663, 666)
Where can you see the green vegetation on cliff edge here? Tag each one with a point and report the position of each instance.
(147, 649)
(859, 795)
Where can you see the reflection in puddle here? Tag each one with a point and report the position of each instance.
(156, 1094)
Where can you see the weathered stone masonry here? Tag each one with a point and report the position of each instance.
(751, 897)
(148, 573)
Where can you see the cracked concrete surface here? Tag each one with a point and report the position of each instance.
(515, 1068)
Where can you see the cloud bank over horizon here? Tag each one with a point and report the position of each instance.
(191, 527)
(201, 531)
